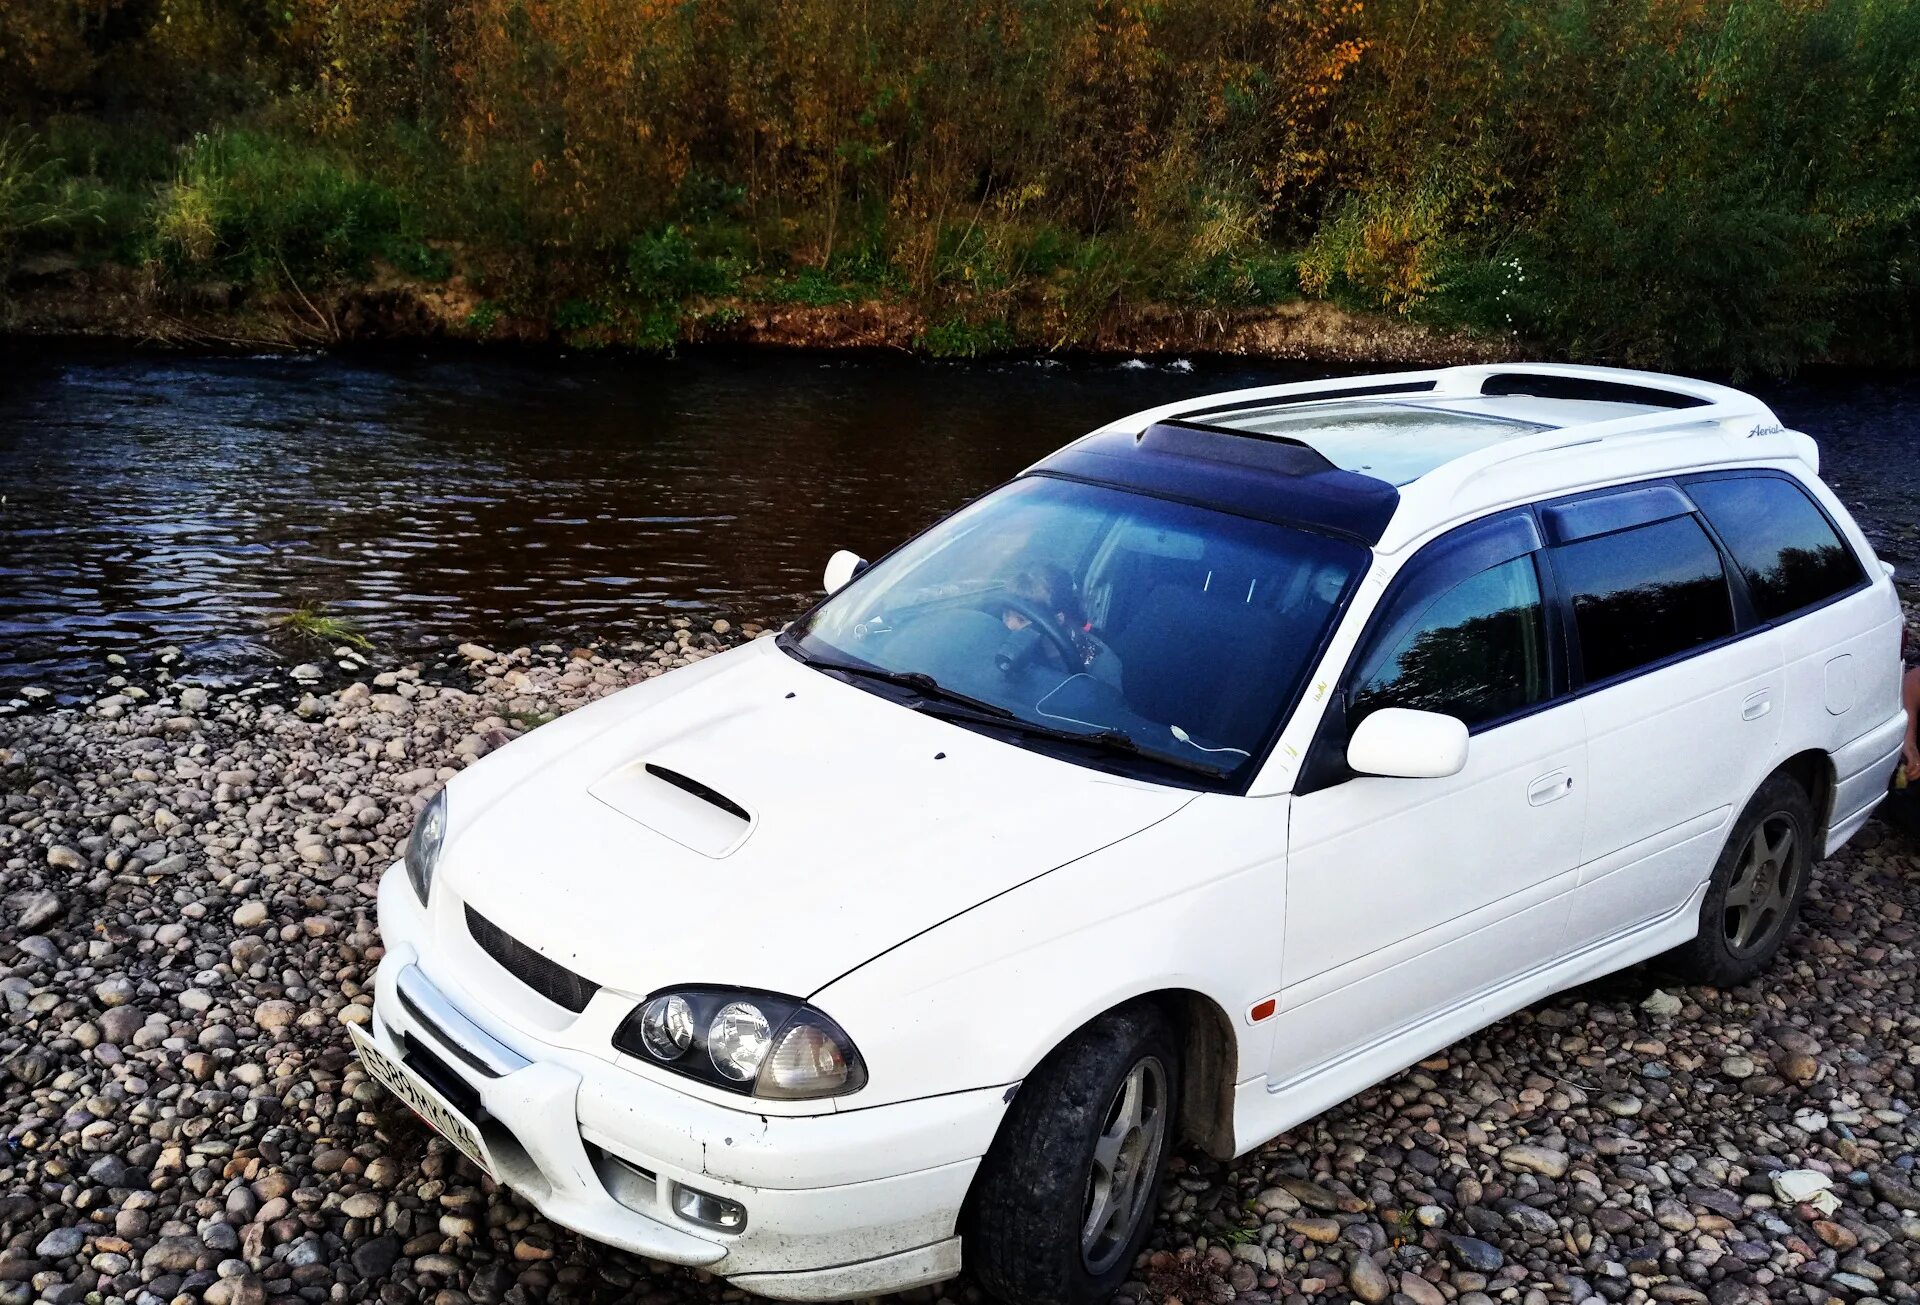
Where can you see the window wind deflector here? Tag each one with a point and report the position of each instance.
(1603, 514)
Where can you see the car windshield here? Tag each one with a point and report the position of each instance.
(1094, 622)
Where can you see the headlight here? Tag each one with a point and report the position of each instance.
(666, 1027)
(423, 846)
(756, 1043)
(738, 1039)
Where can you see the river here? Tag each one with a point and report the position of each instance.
(149, 500)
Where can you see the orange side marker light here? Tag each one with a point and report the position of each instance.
(1261, 1010)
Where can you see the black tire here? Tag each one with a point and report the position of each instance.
(1026, 1222)
(1738, 941)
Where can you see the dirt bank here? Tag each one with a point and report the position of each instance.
(58, 297)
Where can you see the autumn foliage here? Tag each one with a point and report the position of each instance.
(1709, 182)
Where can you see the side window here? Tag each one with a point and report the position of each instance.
(1783, 544)
(1643, 594)
(1478, 651)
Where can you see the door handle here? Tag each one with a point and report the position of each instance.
(1550, 787)
(1757, 705)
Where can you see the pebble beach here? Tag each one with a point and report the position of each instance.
(187, 925)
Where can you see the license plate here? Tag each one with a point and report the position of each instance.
(421, 1099)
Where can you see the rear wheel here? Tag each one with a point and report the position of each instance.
(1065, 1198)
(1757, 887)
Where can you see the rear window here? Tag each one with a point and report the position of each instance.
(1644, 594)
(1787, 550)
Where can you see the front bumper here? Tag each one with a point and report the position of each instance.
(840, 1204)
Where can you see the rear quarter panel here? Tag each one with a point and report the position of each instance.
(1843, 665)
(1832, 705)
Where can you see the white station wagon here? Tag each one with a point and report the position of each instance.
(1230, 759)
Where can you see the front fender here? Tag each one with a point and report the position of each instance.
(1195, 903)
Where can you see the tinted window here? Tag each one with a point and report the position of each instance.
(1477, 651)
(1643, 594)
(1087, 608)
(1781, 542)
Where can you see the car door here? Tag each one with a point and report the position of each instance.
(1406, 897)
(1682, 709)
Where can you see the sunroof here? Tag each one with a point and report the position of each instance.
(1394, 442)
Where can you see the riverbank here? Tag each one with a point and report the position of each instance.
(186, 924)
(55, 297)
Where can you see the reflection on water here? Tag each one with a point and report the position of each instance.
(155, 500)
(184, 500)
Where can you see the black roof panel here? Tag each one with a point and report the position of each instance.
(1270, 478)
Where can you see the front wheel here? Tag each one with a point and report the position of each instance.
(1754, 897)
(1065, 1198)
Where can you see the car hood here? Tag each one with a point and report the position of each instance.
(752, 821)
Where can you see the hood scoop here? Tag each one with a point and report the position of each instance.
(675, 805)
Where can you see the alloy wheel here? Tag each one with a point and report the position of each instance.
(1126, 1157)
(1764, 884)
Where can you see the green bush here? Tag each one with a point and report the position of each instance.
(956, 337)
(265, 208)
(666, 267)
(657, 329)
(1253, 279)
(811, 286)
(580, 315)
(418, 258)
(483, 317)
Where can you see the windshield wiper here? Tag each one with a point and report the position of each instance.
(1112, 740)
(938, 700)
(922, 684)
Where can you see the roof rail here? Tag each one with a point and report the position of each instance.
(1738, 414)
(1557, 380)
(1615, 384)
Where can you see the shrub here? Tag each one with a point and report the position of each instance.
(956, 337)
(666, 267)
(264, 208)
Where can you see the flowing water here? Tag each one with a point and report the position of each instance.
(161, 499)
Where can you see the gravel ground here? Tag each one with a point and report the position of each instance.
(186, 921)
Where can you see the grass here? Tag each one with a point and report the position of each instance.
(264, 208)
(37, 197)
(312, 623)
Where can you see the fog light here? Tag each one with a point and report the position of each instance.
(715, 1212)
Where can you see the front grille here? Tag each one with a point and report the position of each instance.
(555, 982)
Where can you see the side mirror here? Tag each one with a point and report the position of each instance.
(1407, 744)
(843, 566)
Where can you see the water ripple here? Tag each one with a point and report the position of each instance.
(150, 500)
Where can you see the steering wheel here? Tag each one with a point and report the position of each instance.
(1048, 624)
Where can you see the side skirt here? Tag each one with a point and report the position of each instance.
(1263, 1111)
